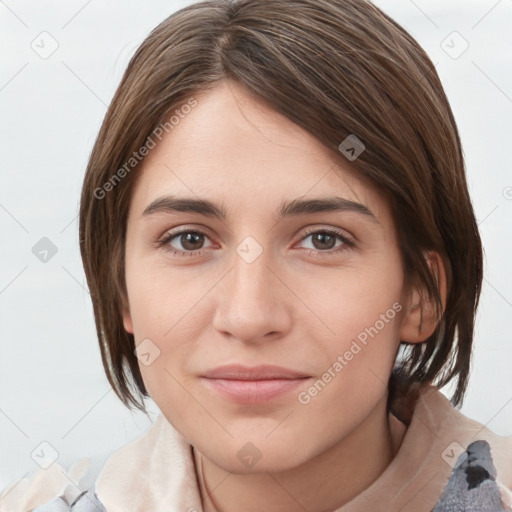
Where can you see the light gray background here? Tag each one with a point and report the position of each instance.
(52, 383)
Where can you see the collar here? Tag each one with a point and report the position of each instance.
(157, 471)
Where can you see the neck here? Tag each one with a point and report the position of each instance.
(325, 482)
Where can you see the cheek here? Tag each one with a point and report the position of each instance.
(160, 299)
(349, 301)
(166, 314)
(361, 316)
(358, 364)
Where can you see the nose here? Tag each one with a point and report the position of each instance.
(252, 301)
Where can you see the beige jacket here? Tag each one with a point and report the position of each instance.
(431, 471)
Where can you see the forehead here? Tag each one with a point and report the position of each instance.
(233, 149)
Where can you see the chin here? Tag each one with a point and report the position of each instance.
(255, 454)
(273, 463)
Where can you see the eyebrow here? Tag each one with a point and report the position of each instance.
(171, 204)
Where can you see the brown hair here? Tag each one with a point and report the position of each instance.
(335, 68)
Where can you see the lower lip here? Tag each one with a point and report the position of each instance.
(253, 391)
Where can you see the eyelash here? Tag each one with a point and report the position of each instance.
(347, 244)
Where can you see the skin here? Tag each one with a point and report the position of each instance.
(293, 306)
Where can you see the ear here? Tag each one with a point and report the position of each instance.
(420, 319)
(127, 318)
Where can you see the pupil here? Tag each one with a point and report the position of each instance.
(188, 239)
(323, 237)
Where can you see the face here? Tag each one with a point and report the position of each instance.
(275, 281)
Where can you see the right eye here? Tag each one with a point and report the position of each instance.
(190, 240)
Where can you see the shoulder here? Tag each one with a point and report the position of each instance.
(116, 475)
(54, 489)
(469, 437)
(156, 469)
(475, 480)
(479, 460)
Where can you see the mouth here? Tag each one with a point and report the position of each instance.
(245, 385)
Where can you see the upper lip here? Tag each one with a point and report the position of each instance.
(264, 372)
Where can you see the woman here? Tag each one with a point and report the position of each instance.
(282, 253)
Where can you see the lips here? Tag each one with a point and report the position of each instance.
(251, 386)
(264, 372)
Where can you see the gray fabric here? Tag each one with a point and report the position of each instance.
(85, 502)
(472, 486)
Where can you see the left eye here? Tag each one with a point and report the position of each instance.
(321, 239)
